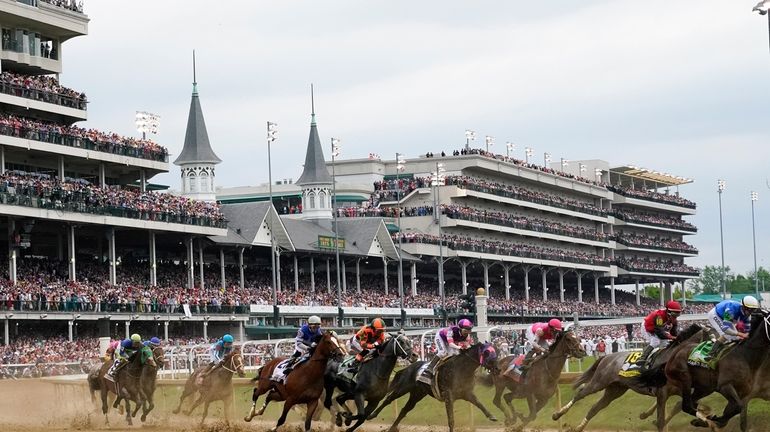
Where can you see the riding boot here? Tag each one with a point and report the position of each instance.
(642, 361)
(290, 366)
(528, 360)
(430, 371)
(715, 350)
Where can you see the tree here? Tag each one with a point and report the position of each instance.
(652, 291)
(710, 279)
(764, 278)
(740, 285)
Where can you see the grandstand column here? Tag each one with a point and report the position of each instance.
(142, 180)
(11, 251)
(222, 267)
(200, 264)
(278, 269)
(240, 267)
(328, 277)
(526, 282)
(7, 333)
(205, 329)
(481, 315)
(596, 288)
(70, 324)
(103, 325)
(669, 290)
(296, 274)
(127, 324)
(153, 261)
(561, 285)
(358, 276)
(636, 289)
(190, 270)
(241, 332)
(544, 272)
(102, 175)
(111, 255)
(662, 295)
(464, 275)
(312, 274)
(345, 279)
(580, 286)
(2, 159)
(612, 291)
(165, 331)
(60, 169)
(71, 253)
(507, 280)
(385, 273)
(414, 279)
(486, 267)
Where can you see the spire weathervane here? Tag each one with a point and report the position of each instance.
(195, 80)
(312, 105)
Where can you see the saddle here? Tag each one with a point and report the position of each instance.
(514, 370)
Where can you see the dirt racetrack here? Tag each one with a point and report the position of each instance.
(35, 405)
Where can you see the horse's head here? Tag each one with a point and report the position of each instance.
(760, 327)
(487, 356)
(330, 346)
(400, 345)
(569, 344)
(234, 361)
(158, 355)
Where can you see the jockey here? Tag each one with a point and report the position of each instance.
(660, 328)
(127, 348)
(726, 318)
(153, 343)
(538, 334)
(217, 353)
(369, 337)
(304, 341)
(111, 349)
(449, 341)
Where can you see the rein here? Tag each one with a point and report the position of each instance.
(233, 365)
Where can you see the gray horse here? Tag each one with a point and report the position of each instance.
(603, 375)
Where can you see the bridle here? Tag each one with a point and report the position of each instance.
(397, 345)
(234, 367)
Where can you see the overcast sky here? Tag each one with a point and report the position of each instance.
(679, 87)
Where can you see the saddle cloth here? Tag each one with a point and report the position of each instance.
(630, 369)
(278, 375)
(432, 382)
(514, 371)
(698, 355)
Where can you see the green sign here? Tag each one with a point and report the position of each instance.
(325, 242)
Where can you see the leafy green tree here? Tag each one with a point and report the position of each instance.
(740, 285)
(710, 280)
(652, 291)
(764, 278)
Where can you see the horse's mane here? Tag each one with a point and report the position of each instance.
(686, 334)
(756, 320)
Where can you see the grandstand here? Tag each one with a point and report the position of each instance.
(90, 238)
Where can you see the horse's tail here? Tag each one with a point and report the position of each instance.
(587, 375)
(93, 384)
(259, 373)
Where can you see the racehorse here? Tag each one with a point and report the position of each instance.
(303, 385)
(541, 379)
(148, 380)
(603, 375)
(371, 383)
(733, 376)
(455, 381)
(218, 385)
(761, 390)
(126, 383)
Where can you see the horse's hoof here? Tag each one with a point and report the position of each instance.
(699, 423)
(348, 420)
(338, 420)
(555, 416)
(143, 418)
(247, 419)
(492, 418)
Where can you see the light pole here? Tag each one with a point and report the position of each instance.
(528, 153)
(509, 147)
(272, 135)
(720, 188)
(400, 165)
(437, 180)
(546, 159)
(598, 175)
(147, 122)
(469, 136)
(489, 141)
(335, 154)
(564, 164)
(754, 198)
(763, 7)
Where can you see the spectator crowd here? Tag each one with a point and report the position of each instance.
(42, 88)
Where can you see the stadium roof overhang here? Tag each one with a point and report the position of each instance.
(659, 178)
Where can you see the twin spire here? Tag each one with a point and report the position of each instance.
(315, 172)
(197, 148)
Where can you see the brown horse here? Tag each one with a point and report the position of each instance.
(603, 375)
(733, 376)
(303, 385)
(541, 379)
(126, 383)
(147, 382)
(218, 385)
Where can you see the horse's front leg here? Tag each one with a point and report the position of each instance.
(450, 411)
(471, 397)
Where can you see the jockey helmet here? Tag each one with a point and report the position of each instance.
(314, 320)
(227, 339)
(465, 324)
(155, 341)
(136, 338)
(378, 324)
(127, 343)
(673, 307)
(555, 324)
(750, 302)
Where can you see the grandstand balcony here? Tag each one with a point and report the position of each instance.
(650, 204)
(56, 107)
(656, 274)
(620, 246)
(619, 222)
